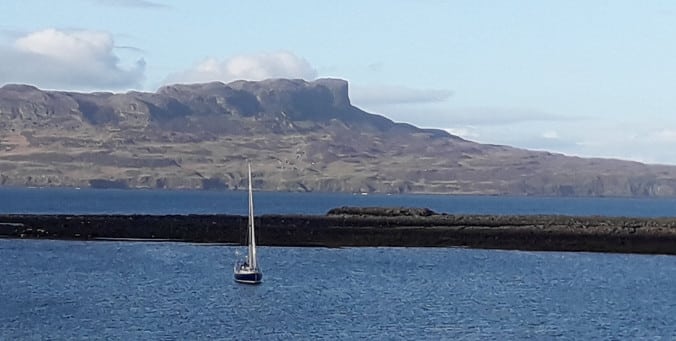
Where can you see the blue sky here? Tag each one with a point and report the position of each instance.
(586, 78)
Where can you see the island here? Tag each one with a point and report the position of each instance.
(366, 227)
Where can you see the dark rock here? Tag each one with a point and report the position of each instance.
(536, 233)
(382, 211)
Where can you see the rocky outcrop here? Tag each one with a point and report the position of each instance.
(382, 211)
(367, 228)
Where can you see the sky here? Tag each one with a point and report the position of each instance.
(586, 78)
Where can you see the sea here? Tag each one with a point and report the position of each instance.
(115, 290)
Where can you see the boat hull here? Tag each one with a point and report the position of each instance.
(249, 277)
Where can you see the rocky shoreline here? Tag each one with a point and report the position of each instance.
(354, 227)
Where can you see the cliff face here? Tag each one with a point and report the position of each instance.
(300, 136)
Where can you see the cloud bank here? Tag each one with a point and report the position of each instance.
(247, 67)
(493, 116)
(431, 114)
(386, 95)
(75, 60)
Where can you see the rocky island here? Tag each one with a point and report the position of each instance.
(300, 136)
(350, 226)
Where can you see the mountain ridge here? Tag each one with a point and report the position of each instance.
(300, 135)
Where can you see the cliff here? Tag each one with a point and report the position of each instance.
(300, 136)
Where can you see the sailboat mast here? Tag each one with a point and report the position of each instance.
(252, 236)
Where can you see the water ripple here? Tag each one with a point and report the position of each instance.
(159, 291)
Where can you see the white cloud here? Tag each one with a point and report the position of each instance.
(73, 60)
(468, 133)
(665, 135)
(74, 46)
(440, 115)
(550, 134)
(619, 140)
(247, 67)
(387, 95)
(502, 116)
(639, 140)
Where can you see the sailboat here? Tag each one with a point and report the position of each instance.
(247, 270)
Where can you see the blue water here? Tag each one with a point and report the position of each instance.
(179, 291)
(142, 291)
(89, 201)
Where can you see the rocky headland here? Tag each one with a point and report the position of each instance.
(300, 136)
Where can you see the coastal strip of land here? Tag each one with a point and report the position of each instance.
(354, 227)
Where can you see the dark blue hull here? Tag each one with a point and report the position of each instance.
(249, 278)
